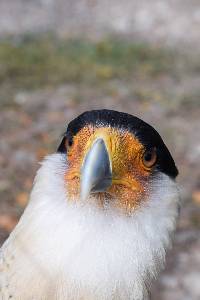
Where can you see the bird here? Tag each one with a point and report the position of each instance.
(101, 215)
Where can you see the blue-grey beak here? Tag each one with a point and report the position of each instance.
(96, 172)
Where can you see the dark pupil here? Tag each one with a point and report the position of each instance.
(148, 156)
(70, 142)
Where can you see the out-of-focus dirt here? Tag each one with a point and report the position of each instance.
(32, 123)
(166, 22)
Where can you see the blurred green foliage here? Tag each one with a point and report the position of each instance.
(35, 62)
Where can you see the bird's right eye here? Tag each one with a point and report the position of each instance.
(69, 142)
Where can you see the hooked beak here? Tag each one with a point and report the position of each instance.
(96, 172)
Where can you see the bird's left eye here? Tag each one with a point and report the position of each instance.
(149, 157)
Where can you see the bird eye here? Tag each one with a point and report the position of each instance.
(69, 141)
(149, 157)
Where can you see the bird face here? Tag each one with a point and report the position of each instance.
(112, 158)
(109, 163)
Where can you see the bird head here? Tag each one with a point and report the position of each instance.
(113, 158)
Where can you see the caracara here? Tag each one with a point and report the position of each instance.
(100, 217)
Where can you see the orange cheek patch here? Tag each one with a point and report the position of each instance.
(75, 154)
(129, 184)
(75, 157)
(126, 198)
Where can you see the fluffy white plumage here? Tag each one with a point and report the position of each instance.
(77, 251)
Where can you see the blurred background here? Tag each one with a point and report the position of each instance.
(59, 58)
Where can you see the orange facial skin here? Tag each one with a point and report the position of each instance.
(129, 173)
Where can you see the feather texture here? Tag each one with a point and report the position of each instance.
(62, 250)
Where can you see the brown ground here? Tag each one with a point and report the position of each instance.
(32, 122)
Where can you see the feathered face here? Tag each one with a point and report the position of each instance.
(114, 157)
